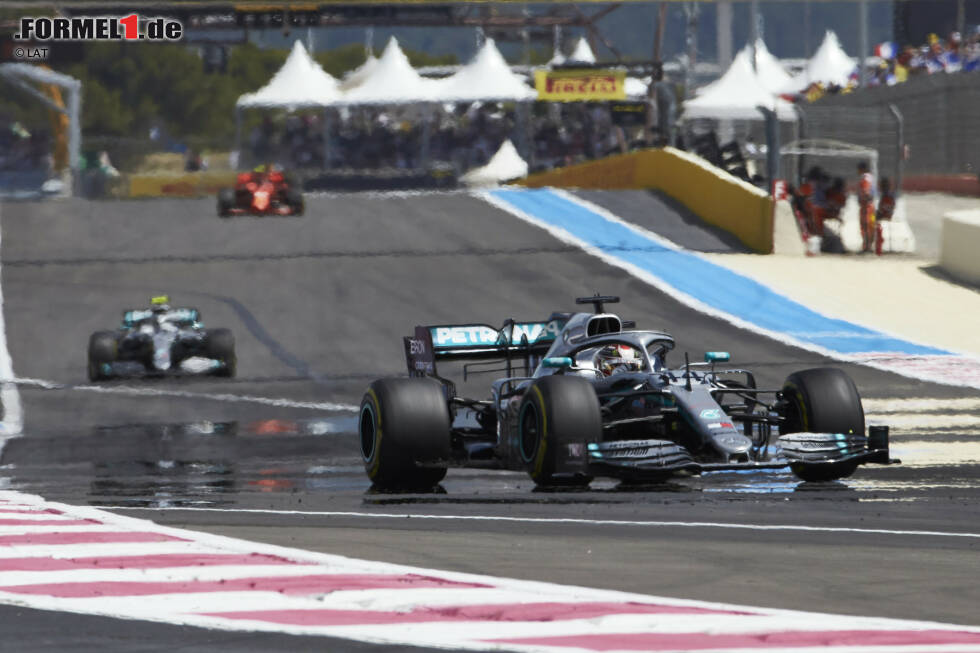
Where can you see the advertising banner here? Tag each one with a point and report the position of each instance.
(585, 85)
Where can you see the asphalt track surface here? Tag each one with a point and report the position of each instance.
(318, 306)
(666, 217)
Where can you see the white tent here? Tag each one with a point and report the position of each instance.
(829, 65)
(356, 77)
(582, 53)
(770, 72)
(636, 87)
(736, 95)
(301, 82)
(486, 78)
(506, 164)
(392, 81)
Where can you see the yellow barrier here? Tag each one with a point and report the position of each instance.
(192, 184)
(715, 196)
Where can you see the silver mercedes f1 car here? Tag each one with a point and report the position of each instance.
(161, 340)
(587, 394)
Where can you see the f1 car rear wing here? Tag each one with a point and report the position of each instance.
(476, 342)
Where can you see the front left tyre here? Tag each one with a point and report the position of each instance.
(226, 202)
(220, 346)
(103, 350)
(295, 200)
(822, 400)
(404, 427)
(558, 418)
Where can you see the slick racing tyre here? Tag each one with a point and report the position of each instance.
(558, 418)
(295, 200)
(226, 202)
(822, 400)
(404, 427)
(220, 345)
(103, 349)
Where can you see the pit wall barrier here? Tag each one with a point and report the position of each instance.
(715, 196)
(960, 244)
(191, 184)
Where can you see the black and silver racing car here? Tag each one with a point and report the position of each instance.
(161, 340)
(587, 394)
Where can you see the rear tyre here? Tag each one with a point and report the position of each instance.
(103, 350)
(404, 427)
(295, 200)
(558, 418)
(226, 202)
(220, 346)
(822, 400)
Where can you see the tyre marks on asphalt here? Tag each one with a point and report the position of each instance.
(91, 561)
(927, 432)
(968, 405)
(260, 333)
(950, 425)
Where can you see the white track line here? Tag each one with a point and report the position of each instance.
(13, 416)
(111, 550)
(562, 520)
(89, 527)
(159, 574)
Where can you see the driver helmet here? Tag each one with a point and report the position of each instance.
(159, 304)
(614, 359)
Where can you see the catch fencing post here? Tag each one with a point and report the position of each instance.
(772, 144)
(900, 147)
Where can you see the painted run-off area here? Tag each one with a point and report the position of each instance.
(55, 556)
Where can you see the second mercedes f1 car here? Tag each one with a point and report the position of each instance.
(161, 340)
(260, 193)
(588, 395)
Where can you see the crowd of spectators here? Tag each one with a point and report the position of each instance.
(578, 132)
(295, 143)
(462, 136)
(951, 55)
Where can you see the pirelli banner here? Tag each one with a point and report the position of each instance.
(580, 85)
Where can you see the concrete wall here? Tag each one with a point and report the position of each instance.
(959, 252)
(714, 195)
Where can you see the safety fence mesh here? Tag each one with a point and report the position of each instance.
(939, 117)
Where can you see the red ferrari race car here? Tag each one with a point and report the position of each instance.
(260, 193)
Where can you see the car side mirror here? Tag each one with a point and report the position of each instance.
(717, 357)
(557, 362)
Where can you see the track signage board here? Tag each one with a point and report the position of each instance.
(580, 85)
